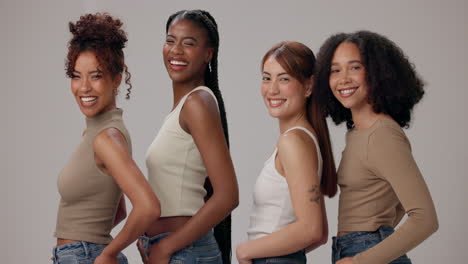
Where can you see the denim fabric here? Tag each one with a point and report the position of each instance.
(81, 253)
(294, 258)
(204, 250)
(354, 243)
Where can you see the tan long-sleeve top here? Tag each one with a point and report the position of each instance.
(380, 181)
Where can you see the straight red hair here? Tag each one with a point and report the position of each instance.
(299, 62)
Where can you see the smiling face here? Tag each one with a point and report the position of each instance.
(186, 52)
(348, 77)
(92, 87)
(284, 96)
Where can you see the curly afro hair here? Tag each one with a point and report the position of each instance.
(394, 85)
(103, 35)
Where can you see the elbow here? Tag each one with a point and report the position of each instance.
(150, 212)
(433, 225)
(313, 235)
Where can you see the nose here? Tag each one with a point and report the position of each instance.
(85, 85)
(344, 77)
(177, 49)
(274, 88)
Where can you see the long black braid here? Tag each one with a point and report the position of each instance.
(222, 231)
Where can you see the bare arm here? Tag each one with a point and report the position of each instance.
(111, 149)
(121, 211)
(200, 116)
(298, 158)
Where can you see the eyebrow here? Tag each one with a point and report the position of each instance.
(349, 62)
(192, 38)
(91, 72)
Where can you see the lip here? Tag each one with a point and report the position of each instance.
(177, 64)
(276, 102)
(88, 101)
(347, 92)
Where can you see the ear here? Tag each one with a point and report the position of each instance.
(309, 85)
(117, 80)
(209, 55)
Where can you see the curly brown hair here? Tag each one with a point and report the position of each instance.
(103, 35)
(394, 85)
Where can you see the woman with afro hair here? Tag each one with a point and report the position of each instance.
(101, 168)
(365, 80)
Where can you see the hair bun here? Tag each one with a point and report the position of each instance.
(97, 30)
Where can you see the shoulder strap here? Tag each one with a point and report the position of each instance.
(319, 155)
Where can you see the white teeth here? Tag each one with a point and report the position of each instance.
(347, 91)
(276, 102)
(174, 62)
(88, 99)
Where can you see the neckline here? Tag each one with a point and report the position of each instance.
(182, 100)
(102, 117)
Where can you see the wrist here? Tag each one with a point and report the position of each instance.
(108, 252)
(242, 251)
(163, 248)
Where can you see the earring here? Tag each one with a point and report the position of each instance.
(209, 67)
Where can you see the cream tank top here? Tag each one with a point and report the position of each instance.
(176, 171)
(272, 205)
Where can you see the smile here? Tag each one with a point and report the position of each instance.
(276, 102)
(178, 63)
(347, 92)
(88, 101)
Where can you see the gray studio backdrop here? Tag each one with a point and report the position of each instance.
(41, 123)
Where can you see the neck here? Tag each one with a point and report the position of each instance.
(365, 117)
(297, 120)
(180, 89)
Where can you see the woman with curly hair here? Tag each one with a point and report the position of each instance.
(101, 168)
(288, 217)
(191, 144)
(365, 80)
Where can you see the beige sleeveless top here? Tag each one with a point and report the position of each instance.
(89, 197)
(175, 168)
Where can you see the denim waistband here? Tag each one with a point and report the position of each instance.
(75, 245)
(207, 238)
(381, 233)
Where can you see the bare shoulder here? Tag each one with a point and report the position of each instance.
(201, 100)
(109, 135)
(296, 141)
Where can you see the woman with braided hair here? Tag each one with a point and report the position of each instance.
(101, 168)
(191, 145)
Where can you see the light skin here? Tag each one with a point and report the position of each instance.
(94, 89)
(349, 86)
(187, 44)
(296, 160)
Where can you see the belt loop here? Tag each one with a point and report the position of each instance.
(382, 233)
(54, 254)
(85, 247)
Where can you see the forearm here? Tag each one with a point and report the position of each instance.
(137, 223)
(414, 231)
(212, 213)
(290, 239)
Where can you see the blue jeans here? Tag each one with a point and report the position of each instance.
(354, 243)
(294, 258)
(204, 250)
(81, 253)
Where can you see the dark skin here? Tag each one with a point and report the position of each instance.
(200, 118)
